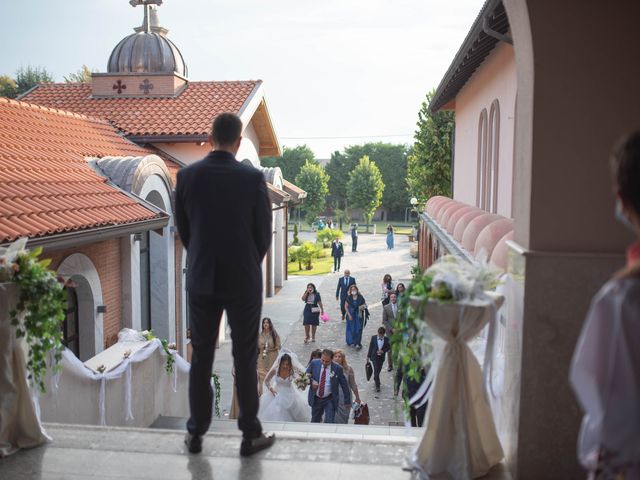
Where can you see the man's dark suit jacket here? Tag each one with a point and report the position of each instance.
(337, 250)
(223, 215)
(373, 349)
(342, 290)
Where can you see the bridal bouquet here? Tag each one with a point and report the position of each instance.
(302, 381)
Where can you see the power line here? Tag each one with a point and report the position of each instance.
(349, 136)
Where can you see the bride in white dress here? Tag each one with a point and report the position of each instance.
(282, 400)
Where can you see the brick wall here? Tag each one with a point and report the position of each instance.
(106, 258)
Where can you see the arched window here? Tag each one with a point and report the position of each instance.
(493, 154)
(482, 160)
(71, 324)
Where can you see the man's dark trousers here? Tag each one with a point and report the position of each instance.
(377, 368)
(336, 263)
(323, 406)
(354, 243)
(244, 318)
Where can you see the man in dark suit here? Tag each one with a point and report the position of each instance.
(223, 215)
(354, 237)
(337, 252)
(326, 378)
(342, 290)
(378, 348)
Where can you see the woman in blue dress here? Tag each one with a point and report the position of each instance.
(355, 306)
(312, 310)
(389, 237)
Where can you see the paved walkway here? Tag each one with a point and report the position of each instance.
(368, 266)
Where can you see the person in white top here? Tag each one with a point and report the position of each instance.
(605, 371)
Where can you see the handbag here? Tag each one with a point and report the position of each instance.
(361, 415)
(315, 309)
(368, 369)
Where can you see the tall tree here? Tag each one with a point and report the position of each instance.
(291, 161)
(313, 179)
(429, 166)
(338, 169)
(29, 77)
(391, 160)
(81, 76)
(8, 87)
(365, 187)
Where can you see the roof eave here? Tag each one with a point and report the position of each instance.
(195, 138)
(442, 97)
(94, 235)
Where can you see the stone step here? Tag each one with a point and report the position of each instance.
(101, 453)
(402, 435)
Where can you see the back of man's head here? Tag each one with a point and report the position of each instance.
(226, 129)
(625, 163)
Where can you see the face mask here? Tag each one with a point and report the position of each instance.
(622, 218)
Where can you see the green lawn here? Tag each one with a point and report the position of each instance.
(320, 265)
(381, 228)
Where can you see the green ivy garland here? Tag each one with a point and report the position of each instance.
(407, 342)
(39, 313)
(216, 383)
(149, 335)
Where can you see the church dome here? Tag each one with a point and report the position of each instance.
(147, 51)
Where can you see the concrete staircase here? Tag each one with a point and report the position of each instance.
(302, 452)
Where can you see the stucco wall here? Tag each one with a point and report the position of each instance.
(495, 79)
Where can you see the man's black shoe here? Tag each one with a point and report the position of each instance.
(389, 369)
(377, 389)
(249, 446)
(193, 443)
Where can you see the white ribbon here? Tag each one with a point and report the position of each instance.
(487, 366)
(101, 402)
(175, 374)
(127, 392)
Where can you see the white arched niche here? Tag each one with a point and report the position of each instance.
(162, 262)
(79, 268)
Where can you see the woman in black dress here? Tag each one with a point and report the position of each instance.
(312, 310)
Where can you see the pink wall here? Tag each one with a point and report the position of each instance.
(494, 79)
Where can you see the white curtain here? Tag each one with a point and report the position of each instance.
(19, 423)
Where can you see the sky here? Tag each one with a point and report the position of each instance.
(335, 72)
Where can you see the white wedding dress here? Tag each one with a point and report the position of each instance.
(289, 404)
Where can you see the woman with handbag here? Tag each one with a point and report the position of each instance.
(312, 310)
(355, 306)
(343, 411)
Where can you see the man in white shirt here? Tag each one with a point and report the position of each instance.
(378, 348)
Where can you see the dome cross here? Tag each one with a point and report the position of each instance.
(147, 7)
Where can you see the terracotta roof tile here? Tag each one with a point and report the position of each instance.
(46, 186)
(189, 113)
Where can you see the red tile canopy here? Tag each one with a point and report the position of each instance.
(46, 185)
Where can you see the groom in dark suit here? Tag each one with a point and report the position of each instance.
(326, 378)
(342, 290)
(223, 215)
